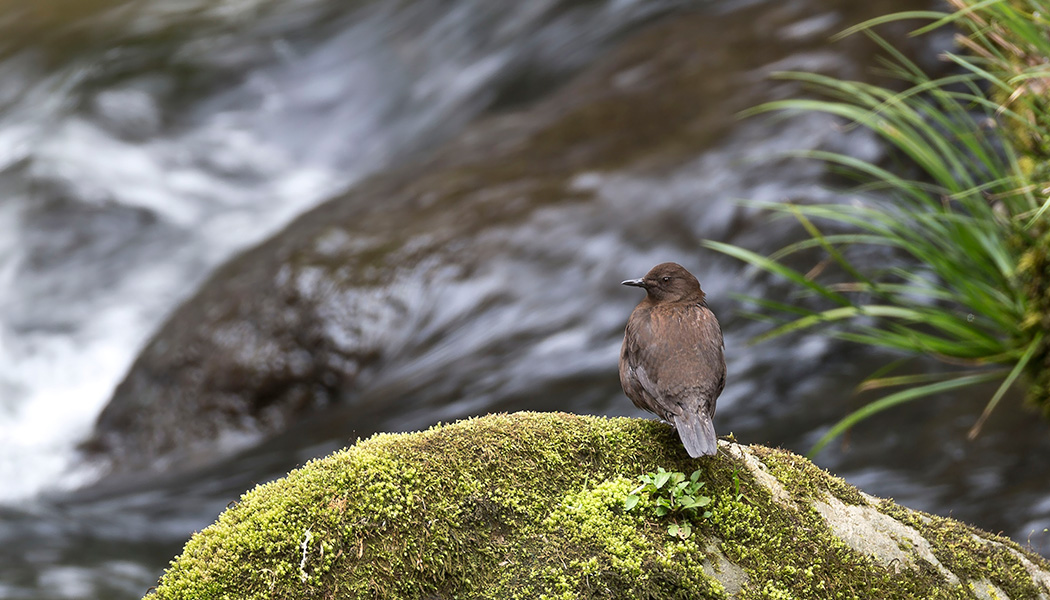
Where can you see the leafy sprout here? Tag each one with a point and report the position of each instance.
(674, 496)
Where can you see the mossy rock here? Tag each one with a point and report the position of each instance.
(531, 505)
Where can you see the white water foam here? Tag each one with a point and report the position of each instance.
(116, 201)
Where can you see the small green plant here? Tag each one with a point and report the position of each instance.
(672, 495)
(737, 494)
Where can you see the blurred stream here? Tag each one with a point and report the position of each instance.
(143, 144)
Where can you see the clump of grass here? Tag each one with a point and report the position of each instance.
(973, 289)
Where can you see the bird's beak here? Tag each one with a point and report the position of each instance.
(634, 282)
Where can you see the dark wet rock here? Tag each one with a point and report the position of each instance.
(450, 277)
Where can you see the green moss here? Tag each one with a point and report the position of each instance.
(794, 554)
(971, 553)
(530, 505)
(589, 547)
(804, 479)
(398, 516)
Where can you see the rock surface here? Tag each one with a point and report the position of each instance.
(531, 505)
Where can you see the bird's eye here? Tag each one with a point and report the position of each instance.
(667, 279)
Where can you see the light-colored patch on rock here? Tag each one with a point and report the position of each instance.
(760, 472)
(986, 590)
(719, 567)
(877, 535)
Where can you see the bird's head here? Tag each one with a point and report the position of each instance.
(669, 282)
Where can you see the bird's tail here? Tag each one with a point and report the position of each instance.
(697, 433)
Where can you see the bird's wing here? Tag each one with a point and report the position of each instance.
(685, 355)
(637, 357)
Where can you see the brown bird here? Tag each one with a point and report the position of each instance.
(672, 362)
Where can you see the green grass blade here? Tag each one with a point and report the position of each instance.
(892, 400)
(1006, 385)
(776, 268)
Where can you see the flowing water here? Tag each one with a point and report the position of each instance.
(144, 143)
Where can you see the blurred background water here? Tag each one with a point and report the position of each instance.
(144, 144)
